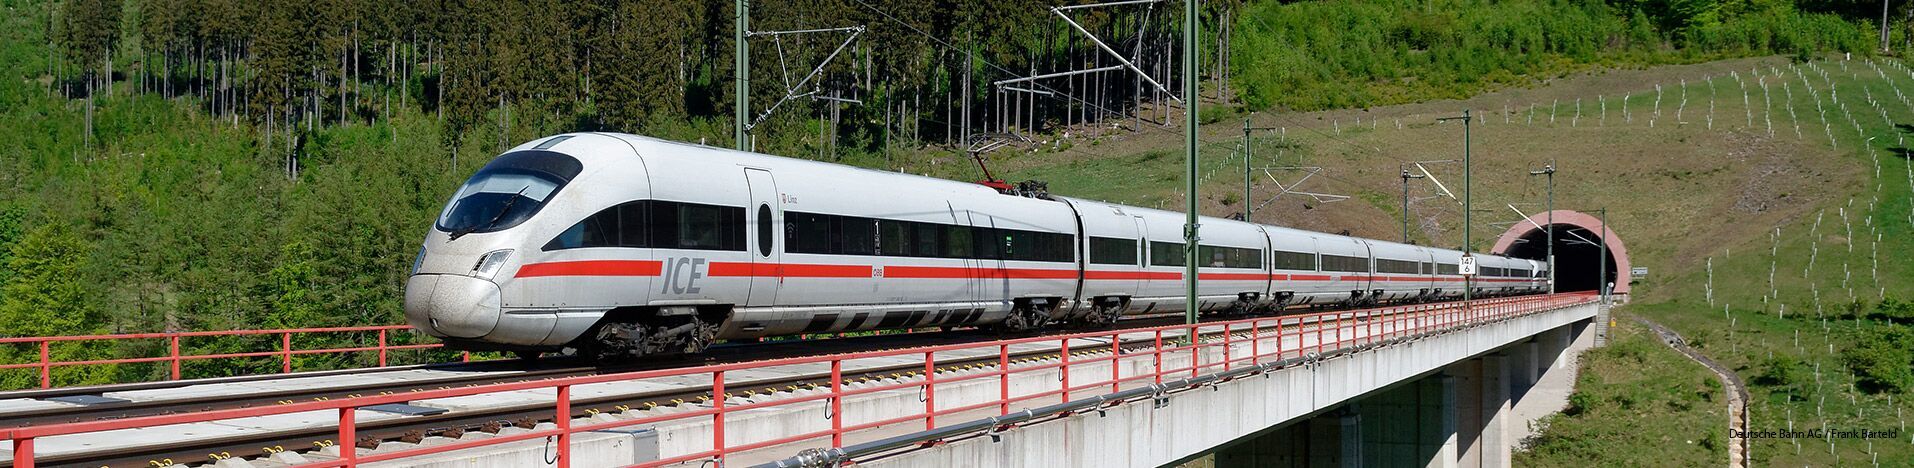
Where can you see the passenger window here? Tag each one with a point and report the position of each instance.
(1111, 251)
(957, 242)
(1166, 254)
(598, 230)
(631, 224)
(859, 236)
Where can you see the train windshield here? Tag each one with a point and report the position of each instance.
(507, 192)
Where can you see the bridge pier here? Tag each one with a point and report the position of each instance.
(1524, 367)
(1490, 445)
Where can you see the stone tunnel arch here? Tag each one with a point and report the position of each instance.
(1576, 259)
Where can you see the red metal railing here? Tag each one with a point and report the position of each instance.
(1311, 333)
(174, 357)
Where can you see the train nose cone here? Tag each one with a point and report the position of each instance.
(451, 305)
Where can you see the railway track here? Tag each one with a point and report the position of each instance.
(453, 423)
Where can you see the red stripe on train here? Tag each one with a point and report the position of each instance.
(901, 271)
(788, 270)
(593, 268)
(1130, 275)
(1236, 276)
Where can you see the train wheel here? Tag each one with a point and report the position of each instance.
(1103, 316)
(1025, 318)
(612, 342)
(1277, 306)
(700, 336)
(1104, 312)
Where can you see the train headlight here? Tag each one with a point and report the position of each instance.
(489, 264)
(417, 260)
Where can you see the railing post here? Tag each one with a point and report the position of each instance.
(1369, 327)
(1319, 333)
(348, 438)
(837, 403)
(1279, 338)
(1226, 342)
(717, 418)
(1255, 343)
(930, 390)
(1156, 356)
(1063, 356)
(1116, 358)
(1394, 328)
(1196, 352)
(23, 452)
(173, 343)
(1003, 379)
(46, 364)
(285, 352)
(563, 416)
(1338, 330)
(382, 347)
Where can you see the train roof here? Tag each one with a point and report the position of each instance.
(661, 149)
(666, 150)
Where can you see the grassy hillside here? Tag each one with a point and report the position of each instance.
(1621, 387)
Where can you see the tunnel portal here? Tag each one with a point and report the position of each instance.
(1578, 250)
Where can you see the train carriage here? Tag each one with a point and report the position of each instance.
(1399, 274)
(621, 245)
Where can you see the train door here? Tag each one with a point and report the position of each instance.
(973, 263)
(993, 285)
(1269, 269)
(1142, 257)
(1369, 285)
(1143, 286)
(765, 237)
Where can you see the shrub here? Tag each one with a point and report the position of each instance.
(1782, 374)
(1882, 359)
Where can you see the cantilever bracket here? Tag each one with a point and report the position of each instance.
(796, 90)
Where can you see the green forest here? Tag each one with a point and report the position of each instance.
(224, 164)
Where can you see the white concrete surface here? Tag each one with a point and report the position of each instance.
(1551, 391)
(124, 439)
(20, 405)
(301, 384)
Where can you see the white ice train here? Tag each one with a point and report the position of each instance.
(626, 245)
